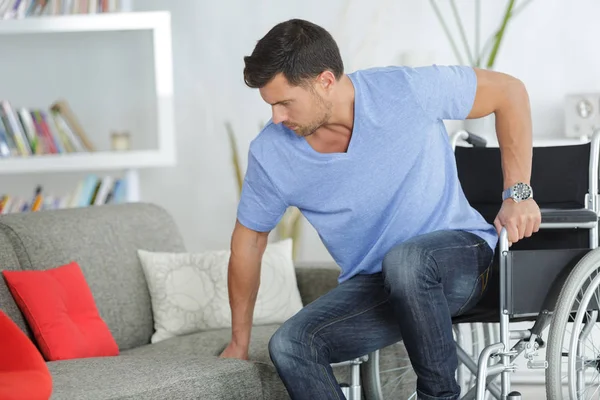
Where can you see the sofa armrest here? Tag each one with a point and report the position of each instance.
(314, 280)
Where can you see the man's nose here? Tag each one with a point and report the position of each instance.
(278, 116)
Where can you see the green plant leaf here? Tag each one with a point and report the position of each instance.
(500, 35)
(235, 159)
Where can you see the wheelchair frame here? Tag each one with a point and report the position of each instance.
(527, 339)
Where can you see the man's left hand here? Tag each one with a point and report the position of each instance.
(520, 219)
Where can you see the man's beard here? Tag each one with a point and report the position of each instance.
(305, 131)
(308, 130)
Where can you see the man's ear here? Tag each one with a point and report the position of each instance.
(326, 80)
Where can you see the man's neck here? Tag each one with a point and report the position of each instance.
(334, 137)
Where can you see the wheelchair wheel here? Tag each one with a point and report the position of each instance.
(573, 352)
(388, 374)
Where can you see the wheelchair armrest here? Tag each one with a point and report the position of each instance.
(475, 140)
(568, 216)
(471, 138)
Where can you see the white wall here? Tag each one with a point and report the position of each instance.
(549, 46)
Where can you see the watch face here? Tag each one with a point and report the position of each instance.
(522, 191)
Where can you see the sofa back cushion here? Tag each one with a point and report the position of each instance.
(10, 262)
(104, 241)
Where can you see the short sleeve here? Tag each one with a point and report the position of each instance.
(261, 205)
(444, 92)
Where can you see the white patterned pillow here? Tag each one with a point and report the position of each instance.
(189, 290)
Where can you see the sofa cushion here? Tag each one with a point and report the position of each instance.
(151, 377)
(60, 310)
(180, 367)
(212, 343)
(104, 241)
(189, 290)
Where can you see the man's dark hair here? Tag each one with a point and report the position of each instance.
(297, 48)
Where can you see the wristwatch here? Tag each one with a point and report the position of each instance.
(518, 192)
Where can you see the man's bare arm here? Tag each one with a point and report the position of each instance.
(507, 97)
(247, 249)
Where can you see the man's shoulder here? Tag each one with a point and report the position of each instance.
(382, 79)
(271, 137)
(407, 72)
(378, 72)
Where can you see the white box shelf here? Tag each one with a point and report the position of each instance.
(159, 24)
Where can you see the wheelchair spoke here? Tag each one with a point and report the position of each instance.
(579, 346)
(388, 374)
(405, 368)
(573, 351)
(595, 391)
(398, 381)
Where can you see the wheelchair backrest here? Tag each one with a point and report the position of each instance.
(559, 179)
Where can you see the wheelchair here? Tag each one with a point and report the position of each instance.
(550, 281)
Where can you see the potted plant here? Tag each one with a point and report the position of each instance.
(479, 56)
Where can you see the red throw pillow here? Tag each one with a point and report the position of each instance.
(61, 311)
(23, 372)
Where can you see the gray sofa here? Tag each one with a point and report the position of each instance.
(104, 241)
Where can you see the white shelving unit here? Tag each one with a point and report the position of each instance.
(159, 23)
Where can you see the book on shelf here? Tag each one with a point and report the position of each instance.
(32, 131)
(90, 191)
(19, 9)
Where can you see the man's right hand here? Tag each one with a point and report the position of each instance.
(233, 350)
(243, 280)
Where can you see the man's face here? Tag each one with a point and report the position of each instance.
(302, 109)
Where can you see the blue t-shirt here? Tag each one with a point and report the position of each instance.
(398, 178)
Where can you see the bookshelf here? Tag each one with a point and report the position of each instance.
(128, 161)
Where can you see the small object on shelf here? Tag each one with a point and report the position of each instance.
(120, 141)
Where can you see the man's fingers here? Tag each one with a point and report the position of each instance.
(538, 222)
(513, 231)
(529, 227)
(523, 226)
(498, 225)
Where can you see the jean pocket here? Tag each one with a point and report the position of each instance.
(479, 289)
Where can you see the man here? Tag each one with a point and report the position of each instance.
(366, 158)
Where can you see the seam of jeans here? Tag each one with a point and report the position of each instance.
(323, 326)
(430, 253)
(324, 371)
(478, 244)
(466, 246)
(477, 282)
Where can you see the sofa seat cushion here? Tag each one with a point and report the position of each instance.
(182, 367)
(164, 377)
(210, 343)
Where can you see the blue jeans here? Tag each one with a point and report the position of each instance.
(424, 282)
